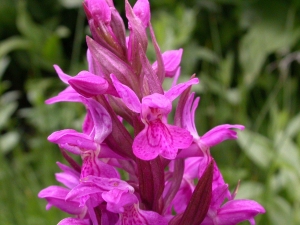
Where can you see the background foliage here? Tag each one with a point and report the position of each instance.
(246, 54)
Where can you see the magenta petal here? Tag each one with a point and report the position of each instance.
(54, 191)
(151, 82)
(108, 170)
(168, 151)
(134, 215)
(67, 95)
(67, 169)
(176, 76)
(82, 193)
(69, 177)
(73, 221)
(218, 180)
(157, 101)
(55, 196)
(142, 10)
(108, 183)
(66, 179)
(181, 138)
(107, 152)
(220, 133)
(175, 91)
(183, 196)
(218, 196)
(101, 119)
(162, 139)
(236, 211)
(191, 167)
(93, 66)
(62, 76)
(73, 138)
(159, 138)
(99, 10)
(93, 185)
(88, 124)
(88, 84)
(92, 188)
(92, 165)
(153, 218)
(138, 40)
(171, 60)
(128, 96)
(142, 149)
(116, 200)
(188, 120)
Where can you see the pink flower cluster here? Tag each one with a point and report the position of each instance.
(155, 170)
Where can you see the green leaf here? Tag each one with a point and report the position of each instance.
(206, 54)
(52, 50)
(8, 141)
(293, 128)
(257, 147)
(250, 190)
(287, 180)
(279, 211)
(288, 153)
(12, 44)
(226, 69)
(173, 31)
(6, 112)
(71, 3)
(3, 65)
(27, 27)
(266, 35)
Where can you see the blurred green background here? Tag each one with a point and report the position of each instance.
(245, 52)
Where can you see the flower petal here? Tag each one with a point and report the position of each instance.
(175, 91)
(236, 211)
(128, 96)
(171, 61)
(134, 215)
(116, 200)
(88, 84)
(181, 137)
(55, 196)
(102, 121)
(67, 95)
(62, 76)
(142, 10)
(100, 10)
(69, 177)
(220, 133)
(141, 147)
(71, 138)
(73, 221)
(157, 102)
(188, 117)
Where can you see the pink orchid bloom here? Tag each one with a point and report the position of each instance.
(211, 138)
(233, 211)
(55, 195)
(158, 137)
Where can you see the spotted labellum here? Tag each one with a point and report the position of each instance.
(159, 173)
